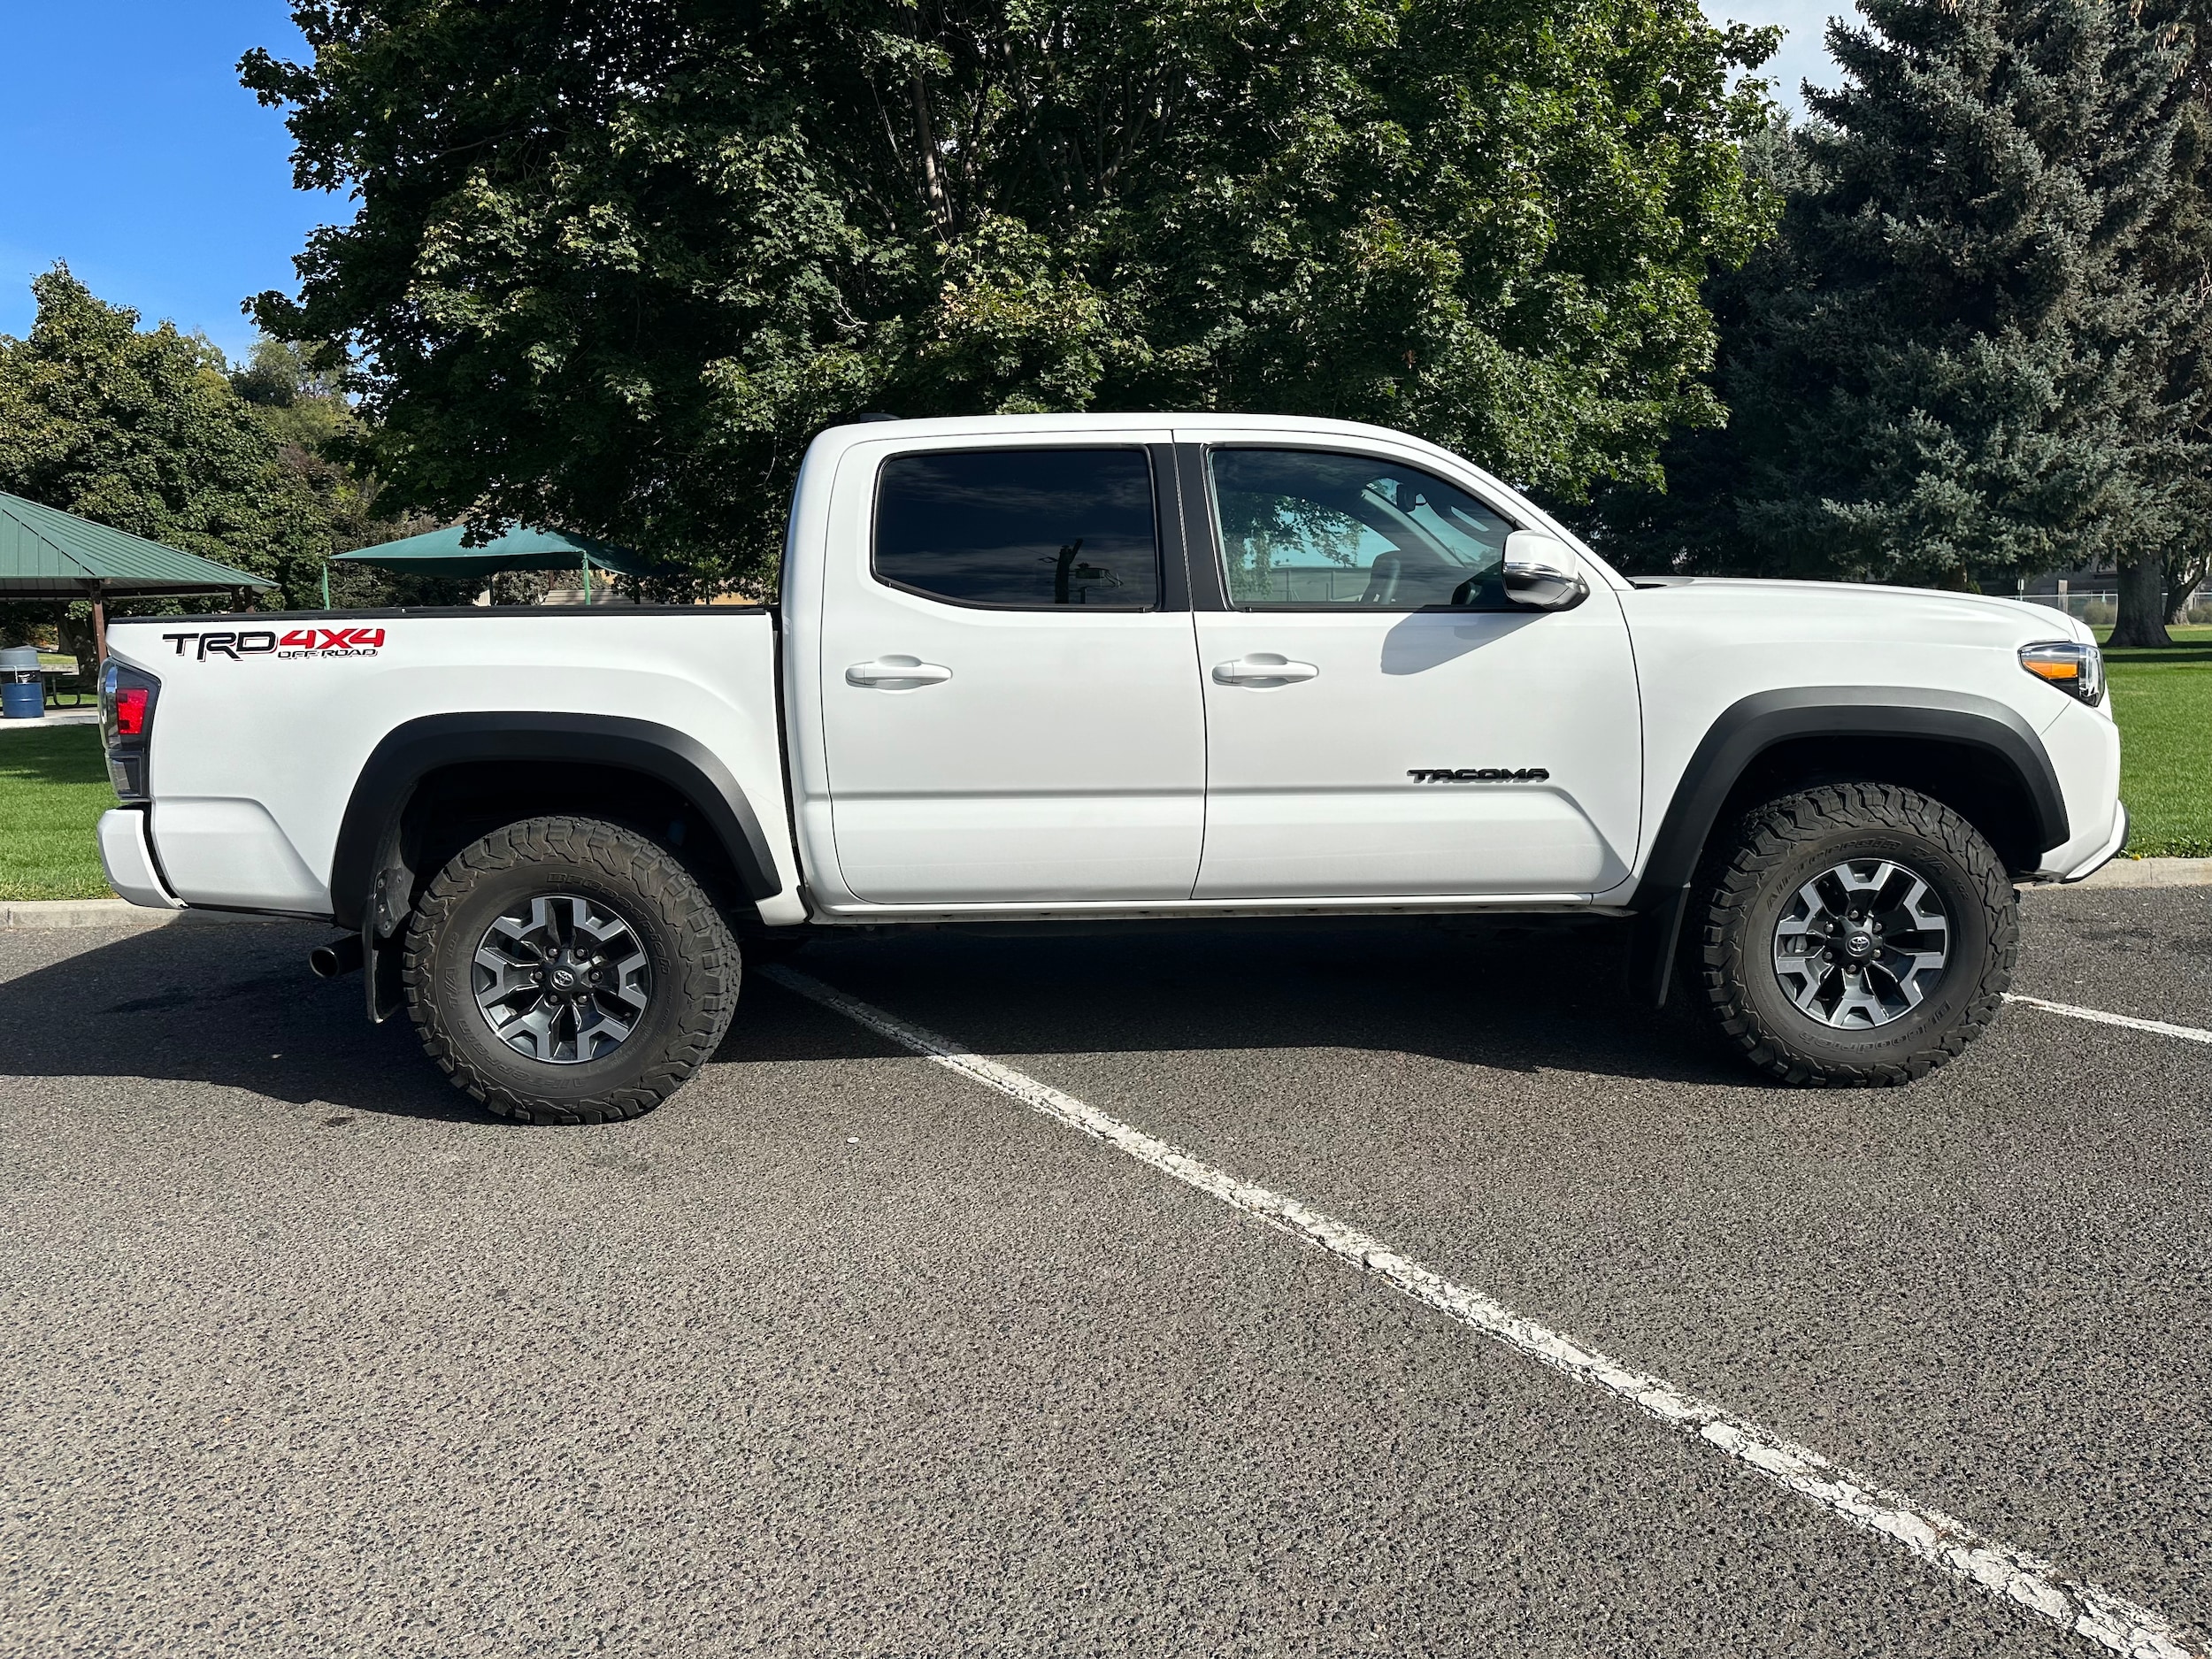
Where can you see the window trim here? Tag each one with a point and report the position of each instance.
(1164, 591)
(1218, 552)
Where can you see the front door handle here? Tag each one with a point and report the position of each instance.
(1264, 668)
(896, 673)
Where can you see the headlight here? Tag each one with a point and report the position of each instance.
(2073, 668)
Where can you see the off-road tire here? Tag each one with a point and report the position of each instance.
(1754, 872)
(694, 963)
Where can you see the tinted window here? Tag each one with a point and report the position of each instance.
(1302, 528)
(1033, 529)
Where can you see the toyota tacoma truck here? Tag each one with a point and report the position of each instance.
(1096, 668)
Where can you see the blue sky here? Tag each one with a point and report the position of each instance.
(1803, 57)
(128, 148)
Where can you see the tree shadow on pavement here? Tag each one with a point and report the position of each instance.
(1503, 995)
(234, 1006)
(231, 1005)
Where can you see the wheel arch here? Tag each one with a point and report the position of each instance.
(576, 757)
(1973, 753)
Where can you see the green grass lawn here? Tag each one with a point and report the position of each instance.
(2162, 700)
(53, 788)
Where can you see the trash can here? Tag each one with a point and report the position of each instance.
(22, 696)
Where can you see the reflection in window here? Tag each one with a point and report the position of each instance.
(1027, 528)
(1305, 529)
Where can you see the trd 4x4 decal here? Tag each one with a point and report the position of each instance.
(237, 642)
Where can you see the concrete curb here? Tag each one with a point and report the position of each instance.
(49, 913)
(2146, 872)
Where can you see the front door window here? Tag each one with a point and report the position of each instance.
(1302, 529)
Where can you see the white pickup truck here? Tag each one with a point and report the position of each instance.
(1107, 667)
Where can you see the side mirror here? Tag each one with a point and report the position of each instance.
(1542, 572)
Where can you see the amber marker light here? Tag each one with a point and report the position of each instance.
(2074, 668)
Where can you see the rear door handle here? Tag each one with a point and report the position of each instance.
(1264, 668)
(897, 673)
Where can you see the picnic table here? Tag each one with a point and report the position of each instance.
(52, 669)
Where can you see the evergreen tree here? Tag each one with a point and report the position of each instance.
(2178, 257)
(1959, 359)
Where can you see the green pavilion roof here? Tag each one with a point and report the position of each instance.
(49, 554)
(439, 553)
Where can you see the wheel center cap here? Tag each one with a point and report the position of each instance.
(562, 979)
(1858, 945)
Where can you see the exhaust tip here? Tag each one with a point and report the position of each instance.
(339, 957)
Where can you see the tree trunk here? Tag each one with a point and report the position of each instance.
(2142, 603)
(2180, 586)
(933, 174)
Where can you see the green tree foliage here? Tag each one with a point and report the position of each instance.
(1959, 359)
(142, 430)
(615, 263)
(152, 432)
(301, 403)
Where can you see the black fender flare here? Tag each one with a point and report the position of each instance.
(411, 751)
(1747, 729)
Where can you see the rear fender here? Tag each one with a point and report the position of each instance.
(368, 880)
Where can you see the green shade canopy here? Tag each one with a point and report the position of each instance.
(439, 553)
(48, 554)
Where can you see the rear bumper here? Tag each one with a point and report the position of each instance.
(129, 861)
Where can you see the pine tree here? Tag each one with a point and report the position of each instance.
(1960, 359)
(2179, 258)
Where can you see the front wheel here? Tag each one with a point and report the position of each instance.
(1855, 933)
(564, 969)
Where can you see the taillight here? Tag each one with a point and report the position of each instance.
(126, 726)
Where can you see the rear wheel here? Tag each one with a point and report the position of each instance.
(565, 969)
(1856, 934)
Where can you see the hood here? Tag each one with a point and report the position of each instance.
(1863, 610)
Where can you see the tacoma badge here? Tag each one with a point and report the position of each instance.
(1479, 774)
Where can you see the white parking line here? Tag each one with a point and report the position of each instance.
(2190, 1034)
(2110, 1621)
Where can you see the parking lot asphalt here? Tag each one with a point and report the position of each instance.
(839, 1352)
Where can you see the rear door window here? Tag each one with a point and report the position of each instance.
(1020, 529)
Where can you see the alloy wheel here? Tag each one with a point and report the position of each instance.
(561, 979)
(1862, 943)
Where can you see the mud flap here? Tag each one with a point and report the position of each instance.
(1654, 945)
(379, 953)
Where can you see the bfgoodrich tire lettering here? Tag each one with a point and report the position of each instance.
(1752, 879)
(694, 970)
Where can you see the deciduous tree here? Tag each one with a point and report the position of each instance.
(615, 262)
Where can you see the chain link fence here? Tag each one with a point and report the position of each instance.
(2101, 610)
